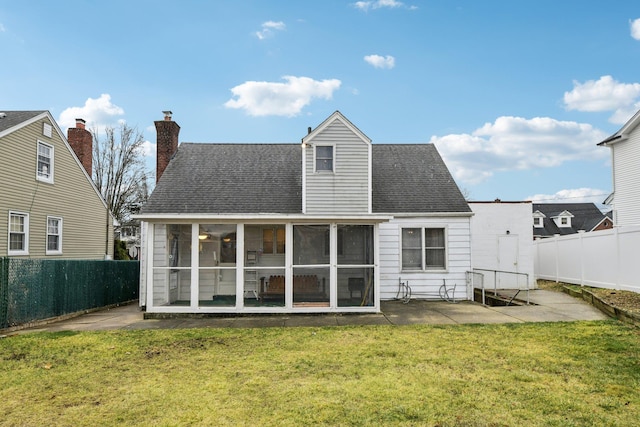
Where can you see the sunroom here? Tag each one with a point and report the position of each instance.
(223, 266)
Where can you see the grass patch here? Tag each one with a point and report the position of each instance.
(542, 374)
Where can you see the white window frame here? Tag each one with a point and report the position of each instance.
(57, 251)
(25, 231)
(316, 158)
(39, 176)
(274, 248)
(423, 267)
(537, 222)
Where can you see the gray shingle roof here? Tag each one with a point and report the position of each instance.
(585, 217)
(267, 178)
(13, 118)
(230, 178)
(413, 178)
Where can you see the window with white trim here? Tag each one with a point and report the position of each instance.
(54, 235)
(324, 158)
(273, 239)
(537, 222)
(45, 162)
(423, 249)
(18, 233)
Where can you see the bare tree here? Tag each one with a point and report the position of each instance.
(466, 193)
(118, 169)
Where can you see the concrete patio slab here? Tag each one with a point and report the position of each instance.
(551, 307)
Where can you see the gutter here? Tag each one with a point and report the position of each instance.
(260, 217)
(613, 138)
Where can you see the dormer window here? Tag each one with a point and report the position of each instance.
(324, 158)
(563, 220)
(538, 219)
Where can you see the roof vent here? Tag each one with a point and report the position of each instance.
(3, 115)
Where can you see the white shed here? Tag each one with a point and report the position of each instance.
(502, 243)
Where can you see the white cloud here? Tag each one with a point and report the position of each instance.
(515, 143)
(576, 195)
(280, 99)
(605, 94)
(635, 29)
(622, 115)
(2, 28)
(148, 149)
(378, 4)
(268, 29)
(381, 61)
(98, 113)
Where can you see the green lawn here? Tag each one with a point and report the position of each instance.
(551, 374)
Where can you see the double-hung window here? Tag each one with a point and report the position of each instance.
(45, 162)
(54, 235)
(18, 233)
(273, 240)
(423, 249)
(324, 158)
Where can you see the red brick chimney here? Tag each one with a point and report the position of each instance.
(81, 142)
(166, 143)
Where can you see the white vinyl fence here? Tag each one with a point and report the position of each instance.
(604, 259)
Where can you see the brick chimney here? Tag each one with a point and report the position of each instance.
(166, 143)
(81, 141)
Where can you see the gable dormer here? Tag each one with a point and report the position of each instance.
(563, 219)
(336, 168)
(538, 219)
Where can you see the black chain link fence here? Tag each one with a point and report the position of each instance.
(37, 289)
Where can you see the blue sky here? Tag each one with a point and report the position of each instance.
(514, 94)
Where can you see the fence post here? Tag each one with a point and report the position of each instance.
(582, 257)
(4, 291)
(616, 233)
(556, 237)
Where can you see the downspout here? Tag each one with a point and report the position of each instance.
(106, 240)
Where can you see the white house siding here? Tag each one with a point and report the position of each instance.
(144, 262)
(425, 284)
(493, 227)
(626, 180)
(160, 256)
(346, 190)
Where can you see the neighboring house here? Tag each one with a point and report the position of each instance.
(332, 224)
(625, 158)
(502, 247)
(129, 233)
(550, 219)
(49, 207)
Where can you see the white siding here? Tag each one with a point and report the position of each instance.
(425, 284)
(144, 263)
(160, 277)
(346, 190)
(626, 176)
(490, 225)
